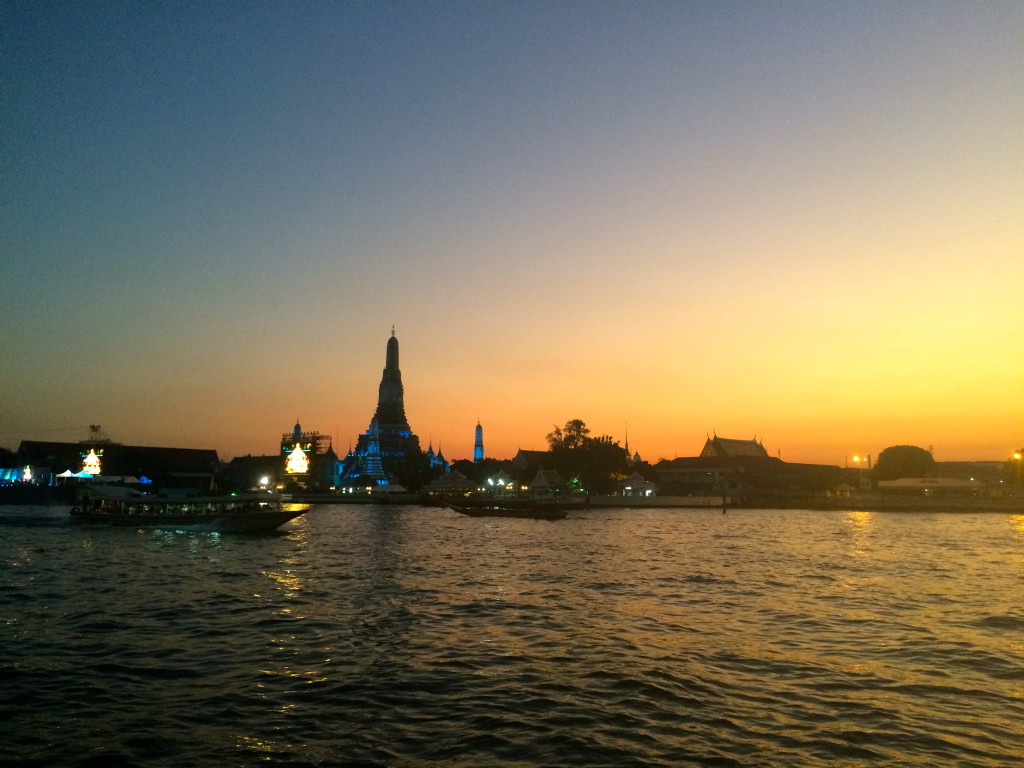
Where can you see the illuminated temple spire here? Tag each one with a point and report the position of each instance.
(478, 442)
(389, 435)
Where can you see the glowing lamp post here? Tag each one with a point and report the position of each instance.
(859, 462)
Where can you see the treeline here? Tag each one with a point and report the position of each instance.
(594, 464)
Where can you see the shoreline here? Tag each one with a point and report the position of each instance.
(65, 495)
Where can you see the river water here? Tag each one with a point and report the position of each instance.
(407, 636)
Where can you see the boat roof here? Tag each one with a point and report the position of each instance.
(132, 494)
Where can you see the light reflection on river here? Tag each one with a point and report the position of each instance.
(411, 636)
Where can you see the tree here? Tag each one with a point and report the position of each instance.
(573, 436)
(604, 463)
(898, 461)
(594, 462)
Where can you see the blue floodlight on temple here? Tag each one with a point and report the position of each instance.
(389, 435)
(478, 443)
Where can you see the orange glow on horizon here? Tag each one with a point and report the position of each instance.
(823, 253)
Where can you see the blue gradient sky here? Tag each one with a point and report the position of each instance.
(802, 221)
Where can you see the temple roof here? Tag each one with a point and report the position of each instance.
(120, 459)
(526, 458)
(723, 446)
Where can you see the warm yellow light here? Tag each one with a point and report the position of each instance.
(91, 463)
(298, 462)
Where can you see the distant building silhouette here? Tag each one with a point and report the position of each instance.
(744, 470)
(307, 458)
(185, 468)
(478, 443)
(436, 460)
(722, 447)
(527, 460)
(633, 458)
(309, 442)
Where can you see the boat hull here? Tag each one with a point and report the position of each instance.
(570, 502)
(227, 516)
(528, 513)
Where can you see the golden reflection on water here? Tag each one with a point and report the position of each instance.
(262, 745)
(287, 582)
(860, 524)
(1018, 523)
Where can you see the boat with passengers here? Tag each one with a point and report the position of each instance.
(253, 513)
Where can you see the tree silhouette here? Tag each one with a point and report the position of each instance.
(574, 435)
(898, 461)
(591, 462)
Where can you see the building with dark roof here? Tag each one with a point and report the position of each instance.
(755, 480)
(244, 473)
(723, 447)
(166, 467)
(526, 460)
(744, 471)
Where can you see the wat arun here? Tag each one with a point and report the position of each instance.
(389, 441)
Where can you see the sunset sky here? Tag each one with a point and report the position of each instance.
(797, 221)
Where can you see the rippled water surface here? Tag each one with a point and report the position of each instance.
(407, 636)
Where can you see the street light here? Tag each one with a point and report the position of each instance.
(859, 462)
